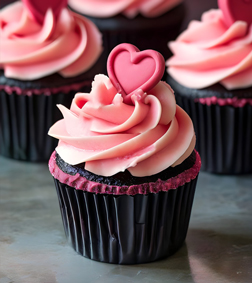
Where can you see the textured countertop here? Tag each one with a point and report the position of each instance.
(33, 246)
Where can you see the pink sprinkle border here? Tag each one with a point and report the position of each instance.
(235, 102)
(81, 183)
(45, 91)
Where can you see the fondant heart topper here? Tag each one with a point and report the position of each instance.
(131, 70)
(236, 10)
(38, 8)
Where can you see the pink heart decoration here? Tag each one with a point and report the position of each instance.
(130, 69)
(38, 8)
(236, 10)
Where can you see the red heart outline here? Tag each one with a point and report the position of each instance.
(38, 8)
(136, 57)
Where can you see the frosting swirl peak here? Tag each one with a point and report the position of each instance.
(111, 136)
(69, 45)
(209, 52)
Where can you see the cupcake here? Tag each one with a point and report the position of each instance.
(125, 167)
(146, 24)
(210, 72)
(46, 56)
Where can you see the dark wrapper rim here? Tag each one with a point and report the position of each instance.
(224, 135)
(126, 229)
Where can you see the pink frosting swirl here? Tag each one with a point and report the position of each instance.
(209, 52)
(110, 136)
(130, 8)
(69, 45)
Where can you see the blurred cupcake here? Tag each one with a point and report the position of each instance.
(125, 168)
(210, 72)
(148, 24)
(45, 57)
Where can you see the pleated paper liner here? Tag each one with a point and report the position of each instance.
(224, 135)
(25, 121)
(126, 229)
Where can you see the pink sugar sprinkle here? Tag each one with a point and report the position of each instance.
(81, 183)
(235, 102)
(44, 91)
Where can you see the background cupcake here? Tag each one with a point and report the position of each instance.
(146, 24)
(125, 168)
(45, 57)
(210, 72)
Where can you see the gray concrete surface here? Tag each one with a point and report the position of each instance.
(33, 247)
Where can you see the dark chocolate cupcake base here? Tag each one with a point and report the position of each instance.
(125, 179)
(224, 132)
(125, 220)
(126, 229)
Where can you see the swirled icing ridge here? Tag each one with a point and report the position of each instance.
(208, 52)
(68, 45)
(110, 136)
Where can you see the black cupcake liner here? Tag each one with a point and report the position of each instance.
(24, 124)
(126, 229)
(144, 33)
(224, 135)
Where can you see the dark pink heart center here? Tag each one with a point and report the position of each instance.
(133, 75)
(130, 69)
